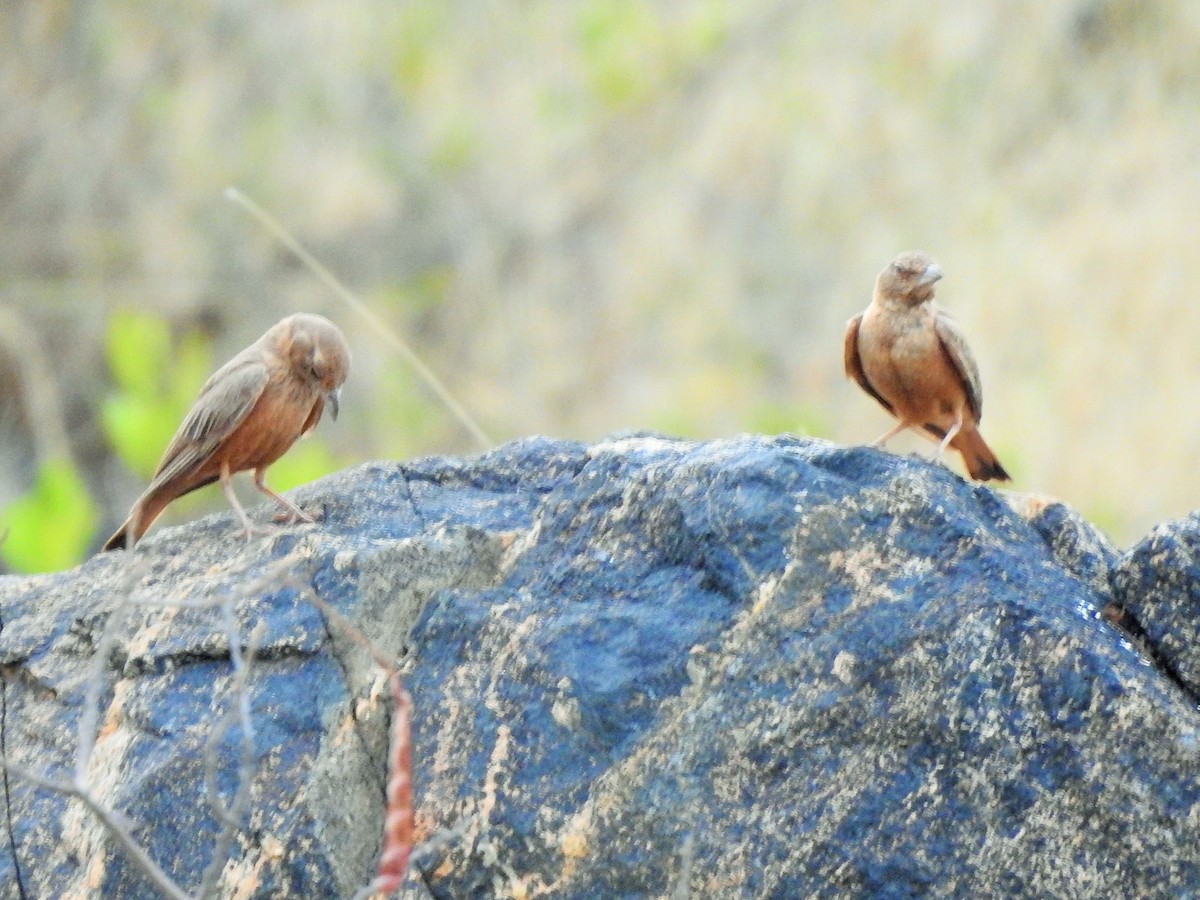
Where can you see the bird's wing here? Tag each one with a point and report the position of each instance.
(224, 402)
(958, 354)
(313, 417)
(853, 363)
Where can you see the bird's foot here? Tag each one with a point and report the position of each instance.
(292, 516)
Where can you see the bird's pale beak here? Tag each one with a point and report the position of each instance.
(931, 274)
(334, 399)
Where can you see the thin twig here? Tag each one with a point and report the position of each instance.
(427, 848)
(116, 825)
(445, 836)
(8, 816)
(354, 302)
(399, 824)
(87, 733)
(90, 717)
(687, 857)
(399, 818)
(239, 712)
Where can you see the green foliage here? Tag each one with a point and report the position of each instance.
(307, 461)
(137, 343)
(614, 37)
(51, 526)
(416, 36)
(675, 422)
(629, 51)
(157, 383)
(708, 28)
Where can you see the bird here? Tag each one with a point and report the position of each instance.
(248, 414)
(911, 356)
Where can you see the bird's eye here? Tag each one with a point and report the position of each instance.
(316, 370)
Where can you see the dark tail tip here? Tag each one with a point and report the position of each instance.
(118, 540)
(982, 463)
(995, 472)
(985, 469)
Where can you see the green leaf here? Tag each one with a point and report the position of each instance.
(50, 527)
(138, 345)
(615, 39)
(157, 385)
(137, 429)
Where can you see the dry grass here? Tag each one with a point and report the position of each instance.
(615, 214)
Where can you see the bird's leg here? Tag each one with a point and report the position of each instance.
(879, 442)
(227, 487)
(954, 429)
(294, 513)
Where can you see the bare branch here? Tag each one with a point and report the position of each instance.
(355, 303)
(399, 819)
(135, 566)
(116, 824)
(687, 857)
(239, 712)
(398, 825)
(89, 719)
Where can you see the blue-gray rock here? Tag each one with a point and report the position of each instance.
(644, 668)
(1158, 585)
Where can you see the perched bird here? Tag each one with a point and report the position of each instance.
(248, 414)
(912, 357)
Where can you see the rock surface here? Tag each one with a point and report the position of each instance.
(645, 668)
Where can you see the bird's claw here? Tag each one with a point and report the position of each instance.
(290, 517)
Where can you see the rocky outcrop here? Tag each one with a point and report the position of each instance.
(644, 668)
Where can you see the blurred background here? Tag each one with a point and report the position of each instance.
(592, 215)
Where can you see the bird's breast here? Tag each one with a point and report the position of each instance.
(272, 426)
(902, 359)
(891, 336)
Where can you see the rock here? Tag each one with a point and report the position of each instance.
(1158, 584)
(645, 668)
(1077, 545)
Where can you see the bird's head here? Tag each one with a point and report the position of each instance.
(909, 278)
(319, 354)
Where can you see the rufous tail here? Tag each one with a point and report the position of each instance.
(141, 517)
(982, 464)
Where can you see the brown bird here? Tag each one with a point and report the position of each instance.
(912, 357)
(248, 414)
